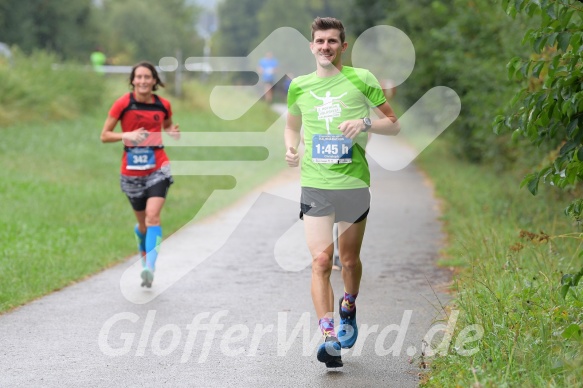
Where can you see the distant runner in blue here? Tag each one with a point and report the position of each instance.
(267, 69)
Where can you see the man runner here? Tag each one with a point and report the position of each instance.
(333, 104)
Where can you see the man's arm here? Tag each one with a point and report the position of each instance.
(292, 138)
(386, 124)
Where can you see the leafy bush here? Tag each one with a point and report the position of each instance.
(548, 110)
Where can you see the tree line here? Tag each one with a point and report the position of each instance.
(126, 30)
(515, 64)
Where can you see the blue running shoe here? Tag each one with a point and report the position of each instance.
(147, 277)
(329, 353)
(347, 331)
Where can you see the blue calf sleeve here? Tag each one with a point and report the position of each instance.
(140, 240)
(153, 240)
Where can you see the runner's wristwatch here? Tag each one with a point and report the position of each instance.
(367, 124)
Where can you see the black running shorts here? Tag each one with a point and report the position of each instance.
(350, 205)
(138, 189)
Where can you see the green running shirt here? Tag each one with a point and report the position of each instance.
(324, 103)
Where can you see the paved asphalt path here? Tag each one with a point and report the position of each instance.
(242, 315)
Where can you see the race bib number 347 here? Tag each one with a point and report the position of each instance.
(331, 149)
(140, 158)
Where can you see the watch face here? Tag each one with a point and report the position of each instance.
(367, 122)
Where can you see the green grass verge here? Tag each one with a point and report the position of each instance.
(62, 214)
(33, 89)
(511, 250)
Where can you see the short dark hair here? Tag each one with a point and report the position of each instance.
(328, 23)
(152, 68)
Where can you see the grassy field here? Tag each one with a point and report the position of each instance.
(510, 251)
(63, 216)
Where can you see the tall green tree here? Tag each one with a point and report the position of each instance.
(548, 109)
(245, 23)
(462, 45)
(134, 30)
(64, 27)
(466, 50)
(279, 13)
(238, 27)
(299, 14)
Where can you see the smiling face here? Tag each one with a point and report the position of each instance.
(327, 47)
(143, 81)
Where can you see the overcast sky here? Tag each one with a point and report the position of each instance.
(202, 3)
(206, 3)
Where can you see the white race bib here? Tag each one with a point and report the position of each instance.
(331, 149)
